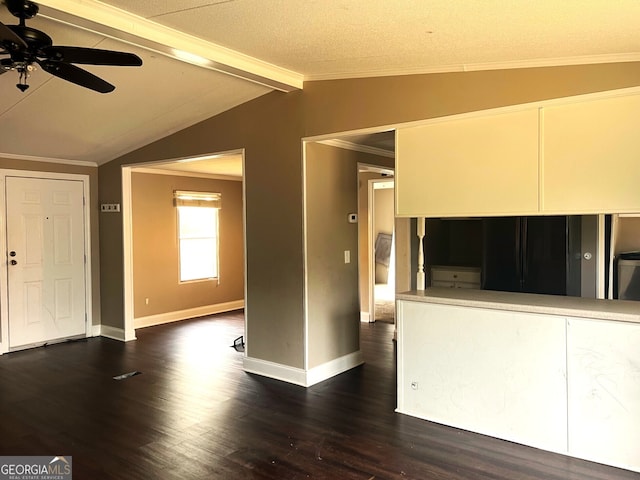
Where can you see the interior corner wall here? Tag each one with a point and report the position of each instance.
(333, 311)
(94, 213)
(155, 247)
(270, 129)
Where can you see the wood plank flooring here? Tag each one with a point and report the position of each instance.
(194, 414)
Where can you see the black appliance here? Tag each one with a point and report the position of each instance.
(532, 254)
(626, 284)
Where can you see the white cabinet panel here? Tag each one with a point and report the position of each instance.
(495, 372)
(604, 391)
(475, 166)
(590, 160)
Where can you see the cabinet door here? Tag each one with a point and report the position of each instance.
(494, 372)
(590, 160)
(475, 166)
(603, 368)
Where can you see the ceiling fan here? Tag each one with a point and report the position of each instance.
(26, 46)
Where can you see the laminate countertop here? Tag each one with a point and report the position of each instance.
(617, 310)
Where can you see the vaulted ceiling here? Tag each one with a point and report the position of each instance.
(202, 57)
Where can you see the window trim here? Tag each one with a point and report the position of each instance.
(208, 200)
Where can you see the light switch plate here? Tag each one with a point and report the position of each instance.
(110, 207)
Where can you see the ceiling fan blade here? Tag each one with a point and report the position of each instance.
(92, 56)
(76, 75)
(8, 35)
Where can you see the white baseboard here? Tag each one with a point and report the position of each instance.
(275, 370)
(299, 376)
(334, 367)
(114, 333)
(365, 317)
(178, 315)
(95, 330)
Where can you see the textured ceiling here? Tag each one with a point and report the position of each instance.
(335, 38)
(275, 43)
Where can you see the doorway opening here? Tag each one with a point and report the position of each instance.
(382, 281)
(155, 293)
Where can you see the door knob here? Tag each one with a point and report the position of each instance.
(14, 262)
(12, 253)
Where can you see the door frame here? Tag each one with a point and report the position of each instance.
(4, 286)
(128, 333)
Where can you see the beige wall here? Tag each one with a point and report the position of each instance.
(332, 285)
(155, 246)
(343, 105)
(270, 129)
(94, 210)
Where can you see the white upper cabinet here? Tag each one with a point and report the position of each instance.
(477, 166)
(590, 159)
(579, 156)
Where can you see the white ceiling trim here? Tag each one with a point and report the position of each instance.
(534, 63)
(189, 159)
(30, 158)
(358, 148)
(116, 23)
(182, 173)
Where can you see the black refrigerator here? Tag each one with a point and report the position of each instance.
(536, 254)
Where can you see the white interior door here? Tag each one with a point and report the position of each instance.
(45, 255)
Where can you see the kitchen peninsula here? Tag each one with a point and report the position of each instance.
(553, 372)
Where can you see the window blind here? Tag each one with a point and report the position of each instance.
(182, 198)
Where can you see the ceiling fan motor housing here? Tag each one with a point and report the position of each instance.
(35, 40)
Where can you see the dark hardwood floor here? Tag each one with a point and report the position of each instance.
(194, 414)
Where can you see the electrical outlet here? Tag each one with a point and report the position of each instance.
(110, 207)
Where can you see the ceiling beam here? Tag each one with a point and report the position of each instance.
(119, 24)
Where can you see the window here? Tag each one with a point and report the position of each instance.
(197, 234)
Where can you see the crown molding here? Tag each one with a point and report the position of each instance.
(119, 24)
(358, 148)
(30, 158)
(471, 67)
